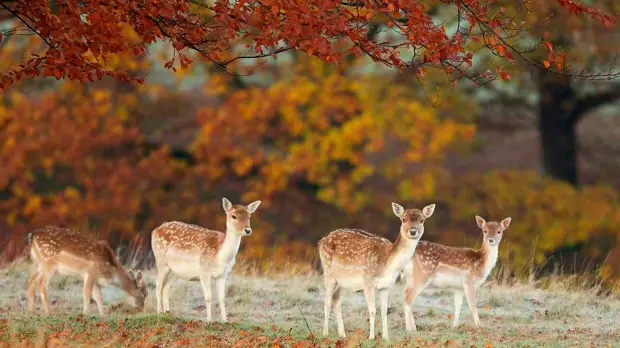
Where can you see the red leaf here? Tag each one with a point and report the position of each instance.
(179, 45)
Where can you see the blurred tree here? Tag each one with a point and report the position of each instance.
(77, 37)
(330, 130)
(548, 215)
(561, 99)
(82, 164)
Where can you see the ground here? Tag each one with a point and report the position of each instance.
(287, 311)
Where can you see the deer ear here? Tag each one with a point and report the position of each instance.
(506, 222)
(398, 209)
(253, 206)
(139, 277)
(480, 221)
(131, 275)
(428, 210)
(226, 204)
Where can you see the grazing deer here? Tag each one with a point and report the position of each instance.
(196, 253)
(459, 269)
(357, 260)
(55, 249)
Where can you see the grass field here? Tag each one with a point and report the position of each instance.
(287, 311)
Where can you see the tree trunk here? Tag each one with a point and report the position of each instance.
(557, 126)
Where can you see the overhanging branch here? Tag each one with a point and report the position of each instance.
(593, 101)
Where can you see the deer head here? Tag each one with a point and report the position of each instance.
(492, 230)
(412, 220)
(238, 216)
(137, 290)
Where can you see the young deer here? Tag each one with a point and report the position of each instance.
(196, 253)
(358, 260)
(459, 269)
(55, 249)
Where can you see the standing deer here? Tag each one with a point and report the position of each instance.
(358, 260)
(195, 253)
(55, 249)
(459, 269)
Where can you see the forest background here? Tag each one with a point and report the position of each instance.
(324, 146)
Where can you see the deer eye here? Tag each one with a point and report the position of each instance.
(499, 232)
(485, 231)
(234, 217)
(403, 220)
(422, 221)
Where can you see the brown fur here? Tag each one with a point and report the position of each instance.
(196, 253)
(358, 260)
(54, 248)
(186, 237)
(459, 269)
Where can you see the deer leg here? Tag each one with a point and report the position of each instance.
(88, 290)
(98, 296)
(330, 286)
(383, 302)
(369, 293)
(43, 281)
(220, 284)
(205, 281)
(166, 291)
(32, 288)
(458, 303)
(411, 293)
(337, 298)
(470, 293)
(160, 282)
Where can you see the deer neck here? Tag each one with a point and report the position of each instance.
(400, 253)
(229, 248)
(489, 254)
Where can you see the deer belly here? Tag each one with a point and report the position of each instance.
(354, 283)
(69, 270)
(186, 266)
(72, 265)
(385, 281)
(447, 281)
(349, 277)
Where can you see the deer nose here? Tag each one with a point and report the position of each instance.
(248, 231)
(492, 240)
(414, 232)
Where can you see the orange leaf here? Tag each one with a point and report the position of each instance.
(501, 50)
(546, 63)
(549, 46)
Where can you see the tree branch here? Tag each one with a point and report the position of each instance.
(593, 101)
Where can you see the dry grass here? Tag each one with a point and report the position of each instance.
(287, 308)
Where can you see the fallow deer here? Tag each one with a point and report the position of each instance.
(68, 252)
(459, 269)
(198, 254)
(357, 260)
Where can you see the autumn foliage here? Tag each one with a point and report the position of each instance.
(323, 147)
(77, 38)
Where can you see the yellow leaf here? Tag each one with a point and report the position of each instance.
(71, 192)
(32, 205)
